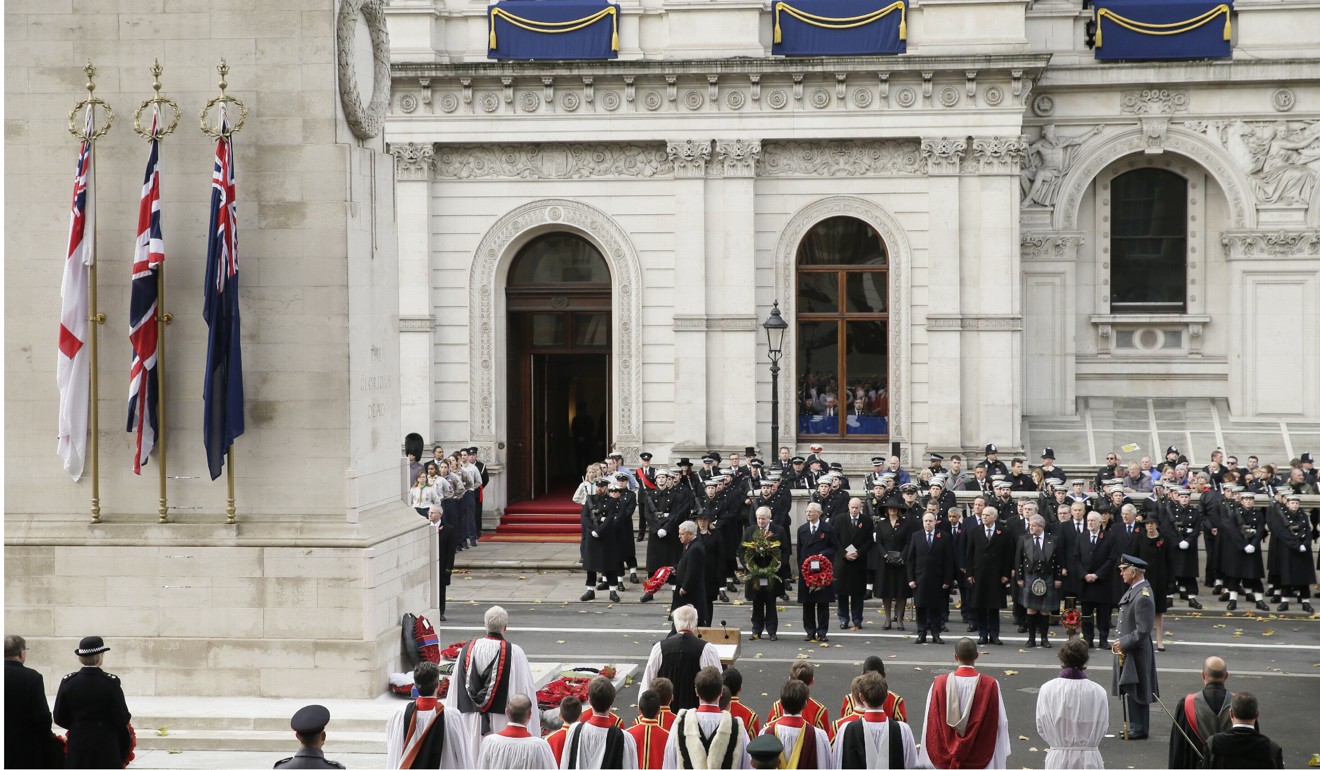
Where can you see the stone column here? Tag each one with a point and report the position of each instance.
(992, 300)
(942, 158)
(412, 173)
(690, 157)
(731, 293)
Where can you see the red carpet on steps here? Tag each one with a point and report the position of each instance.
(552, 518)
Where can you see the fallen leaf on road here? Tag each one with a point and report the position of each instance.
(1267, 632)
(1221, 625)
(1023, 738)
(1237, 633)
(803, 655)
(1021, 650)
(162, 731)
(760, 655)
(176, 751)
(560, 641)
(1033, 748)
(1010, 672)
(1168, 633)
(918, 668)
(522, 577)
(891, 657)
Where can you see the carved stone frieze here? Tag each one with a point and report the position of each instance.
(1154, 101)
(1279, 244)
(847, 157)
(416, 323)
(412, 161)
(738, 156)
(943, 156)
(716, 323)
(998, 154)
(551, 161)
(1278, 156)
(1051, 245)
(689, 156)
(974, 323)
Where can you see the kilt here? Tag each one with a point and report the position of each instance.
(1048, 602)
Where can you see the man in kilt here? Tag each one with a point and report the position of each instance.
(1040, 569)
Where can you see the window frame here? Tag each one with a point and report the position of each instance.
(841, 317)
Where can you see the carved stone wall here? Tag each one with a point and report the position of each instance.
(489, 333)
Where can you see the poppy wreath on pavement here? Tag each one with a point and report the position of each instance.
(553, 694)
(1071, 620)
(821, 577)
(658, 580)
(428, 642)
(451, 652)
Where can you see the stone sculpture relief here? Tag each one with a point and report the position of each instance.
(1281, 157)
(557, 161)
(1046, 162)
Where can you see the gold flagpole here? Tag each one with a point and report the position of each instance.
(94, 318)
(221, 132)
(163, 318)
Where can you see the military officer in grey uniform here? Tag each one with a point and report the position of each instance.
(1135, 680)
(309, 723)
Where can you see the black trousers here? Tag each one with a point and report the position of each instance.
(930, 617)
(612, 578)
(765, 611)
(987, 621)
(1186, 585)
(850, 602)
(1096, 616)
(815, 616)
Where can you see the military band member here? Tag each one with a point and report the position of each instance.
(1242, 534)
(1292, 540)
(1184, 523)
(627, 507)
(308, 724)
(663, 515)
(798, 477)
(1135, 678)
(939, 491)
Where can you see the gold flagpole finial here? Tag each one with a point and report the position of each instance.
(158, 102)
(90, 70)
(224, 98)
(77, 127)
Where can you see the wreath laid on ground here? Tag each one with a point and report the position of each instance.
(658, 580)
(428, 641)
(1071, 620)
(553, 694)
(820, 576)
(451, 652)
(761, 555)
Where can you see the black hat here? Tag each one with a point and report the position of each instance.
(1306, 458)
(798, 460)
(1048, 453)
(715, 456)
(91, 645)
(894, 500)
(603, 481)
(683, 462)
(936, 456)
(310, 720)
(749, 451)
(472, 450)
(838, 466)
(991, 449)
(756, 463)
(1131, 561)
(645, 455)
(702, 513)
(707, 459)
(877, 460)
(765, 748)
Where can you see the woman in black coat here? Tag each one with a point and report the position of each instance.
(1151, 546)
(892, 533)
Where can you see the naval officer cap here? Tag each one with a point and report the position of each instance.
(620, 476)
(765, 748)
(997, 477)
(1003, 485)
(310, 720)
(662, 472)
(602, 482)
(877, 461)
(1292, 496)
(617, 455)
(1056, 483)
(712, 482)
(1183, 491)
(798, 460)
(937, 481)
(1248, 495)
(645, 455)
(1131, 561)
(707, 459)
(936, 456)
(91, 645)
(767, 483)
(757, 463)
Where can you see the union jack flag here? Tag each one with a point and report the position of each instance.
(143, 326)
(223, 389)
(73, 362)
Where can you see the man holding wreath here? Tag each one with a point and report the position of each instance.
(816, 550)
(765, 558)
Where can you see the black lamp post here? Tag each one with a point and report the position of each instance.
(774, 326)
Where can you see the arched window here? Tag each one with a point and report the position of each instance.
(843, 331)
(558, 258)
(559, 285)
(1148, 236)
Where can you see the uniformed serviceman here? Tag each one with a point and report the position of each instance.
(90, 703)
(1135, 679)
(309, 724)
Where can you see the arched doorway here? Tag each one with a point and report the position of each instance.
(558, 299)
(842, 271)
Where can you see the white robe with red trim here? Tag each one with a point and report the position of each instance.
(455, 753)
(484, 651)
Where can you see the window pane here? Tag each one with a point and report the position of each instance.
(547, 330)
(558, 258)
(867, 292)
(1148, 234)
(818, 292)
(867, 366)
(841, 241)
(818, 372)
(589, 330)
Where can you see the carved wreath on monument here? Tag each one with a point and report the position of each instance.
(365, 122)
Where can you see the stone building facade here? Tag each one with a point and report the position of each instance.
(993, 159)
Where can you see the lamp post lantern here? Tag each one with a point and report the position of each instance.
(774, 326)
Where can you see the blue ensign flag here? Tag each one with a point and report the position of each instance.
(223, 391)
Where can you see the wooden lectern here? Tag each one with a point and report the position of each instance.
(727, 641)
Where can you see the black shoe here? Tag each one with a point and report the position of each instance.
(995, 640)
(641, 537)
(1223, 597)
(1090, 644)
(1022, 628)
(1137, 737)
(936, 639)
(732, 588)
(858, 626)
(602, 585)
(1306, 607)
(774, 637)
(944, 628)
(647, 598)
(614, 596)
(889, 623)
(724, 597)
(1232, 605)
(632, 578)
(1194, 603)
(971, 627)
(822, 638)
(810, 638)
(463, 547)
(901, 627)
(843, 625)
(1262, 606)
(983, 641)
(921, 639)
(588, 596)
(868, 595)
(442, 617)
(1045, 642)
(1283, 606)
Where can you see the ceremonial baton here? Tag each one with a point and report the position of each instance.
(1190, 743)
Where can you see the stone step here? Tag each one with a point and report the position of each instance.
(148, 723)
(351, 742)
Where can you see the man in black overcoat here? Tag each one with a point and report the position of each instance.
(930, 564)
(854, 536)
(1242, 745)
(1095, 560)
(989, 561)
(663, 515)
(690, 574)
(90, 703)
(765, 592)
(27, 717)
(815, 540)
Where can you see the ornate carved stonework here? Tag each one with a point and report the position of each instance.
(943, 156)
(416, 323)
(488, 332)
(689, 156)
(365, 121)
(1280, 244)
(412, 162)
(900, 331)
(738, 156)
(551, 161)
(974, 322)
(716, 323)
(1154, 101)
(998, 154)
(848, 157)
(1278, 156)
(1039, 246)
